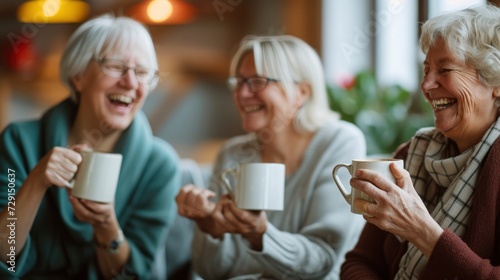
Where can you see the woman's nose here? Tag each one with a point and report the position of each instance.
(429, 82)
(244, 90)
(129, 80)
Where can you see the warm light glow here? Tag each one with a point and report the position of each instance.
(163, 12)
(53, 11)
(51, 7)
(159, 10)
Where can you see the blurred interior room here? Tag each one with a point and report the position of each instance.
(367, 47)
(369, 50)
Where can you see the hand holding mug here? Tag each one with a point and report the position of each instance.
(251, 224)
(194, 202)
(399, 209)
(58, 166)
(381, 166)
(95, 213)
(245, 222)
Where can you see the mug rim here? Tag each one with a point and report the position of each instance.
(100, 153)
(375, 159)
(262, 163)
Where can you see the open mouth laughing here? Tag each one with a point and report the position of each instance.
(252, 108)
(443, 103)
(121, 100)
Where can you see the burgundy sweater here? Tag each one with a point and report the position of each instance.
(476, 256)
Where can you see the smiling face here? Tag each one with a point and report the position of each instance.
(268, 108)
(107, 101)
(464, 108)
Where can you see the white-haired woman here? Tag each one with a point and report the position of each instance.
(441, 220)
(110, 67)
(279, 90)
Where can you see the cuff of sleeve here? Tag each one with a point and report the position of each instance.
(450, 253)
(212, 240)
(268, 242)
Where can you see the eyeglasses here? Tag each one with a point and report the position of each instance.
(117, 69)
(255, 84)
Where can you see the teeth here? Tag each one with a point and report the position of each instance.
(249, 109)
(442, 103)
(121, 98)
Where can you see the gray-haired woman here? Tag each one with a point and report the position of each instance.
(441, 220)
(110, 67)
(279, 90)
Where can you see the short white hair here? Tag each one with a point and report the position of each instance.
(290, 60)
(96, 38)
(472, 35)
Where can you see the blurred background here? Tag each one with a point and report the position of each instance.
(369, 49)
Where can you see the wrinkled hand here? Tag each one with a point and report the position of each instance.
(245, 222)
(99, 215)
(250, 224)
(194, 203)
(398, 208)
(58, 166)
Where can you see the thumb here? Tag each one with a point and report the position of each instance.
(208, 193)
(81, 148)
(398, 173)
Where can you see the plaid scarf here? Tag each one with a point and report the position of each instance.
(445, 183)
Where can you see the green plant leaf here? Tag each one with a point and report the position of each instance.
(387, 116)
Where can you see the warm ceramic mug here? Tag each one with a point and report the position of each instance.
(380, 165)
(259, 186)
(97, 176)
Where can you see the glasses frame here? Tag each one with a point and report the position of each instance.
(234, 84)
(102, 61)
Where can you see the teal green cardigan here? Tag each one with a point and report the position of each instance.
(61, 247)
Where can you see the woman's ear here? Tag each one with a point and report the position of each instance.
(496, 95)
(77, 82)
(496, 92)
(303, 93)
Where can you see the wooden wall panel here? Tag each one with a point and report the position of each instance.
(303, 19)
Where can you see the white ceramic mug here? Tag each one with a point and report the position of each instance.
(259, 186)
(97, 176)
(379, 165)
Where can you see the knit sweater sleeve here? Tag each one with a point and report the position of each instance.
(453, 259)
(376, 256)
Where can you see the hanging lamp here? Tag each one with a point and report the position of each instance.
(53, 11)
(163, 12)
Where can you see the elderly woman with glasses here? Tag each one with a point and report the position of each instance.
(279, 90)
(110, 67)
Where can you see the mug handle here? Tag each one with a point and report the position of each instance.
(340, 186)
(226, 184)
